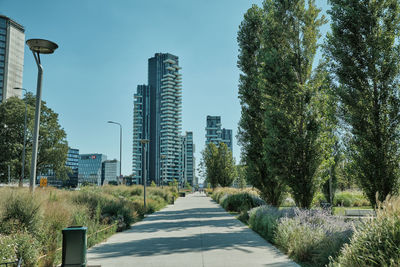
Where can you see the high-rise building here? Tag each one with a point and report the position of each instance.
(216, 135)
(90, 168)
(213, 130)
(141, 129)
(110, 171)
(188, 160)
(226, 137)
(12, 43)
(158, 118)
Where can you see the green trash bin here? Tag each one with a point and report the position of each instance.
(74, 246)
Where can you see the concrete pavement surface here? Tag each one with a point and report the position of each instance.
(195, 231)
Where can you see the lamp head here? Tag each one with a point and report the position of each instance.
(42, 46)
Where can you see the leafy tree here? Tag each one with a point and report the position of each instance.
(226, 164)
(210, 163)
(252, 128)
(53, 147)
(365, 53)
(219, 165)
(240, 180)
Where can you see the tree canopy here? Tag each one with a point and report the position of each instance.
(53, 147)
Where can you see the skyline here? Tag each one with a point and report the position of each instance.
(103, 53)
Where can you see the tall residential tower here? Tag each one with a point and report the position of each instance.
(12, 42)
(158, 118)
(216, 135)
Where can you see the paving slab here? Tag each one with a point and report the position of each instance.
(195, 231)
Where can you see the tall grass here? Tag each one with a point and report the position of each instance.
(30, 225)
(376, 242)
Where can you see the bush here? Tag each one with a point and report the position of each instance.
(21, 211)
(241, 202)
(350, 199)
(19, 245)
(312, 236)
(264, 220)
(376, 242)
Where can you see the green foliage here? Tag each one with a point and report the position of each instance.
(376, 242)
(252, 127)
(287, 124)
(240, 180)
(30, 225)
(364, 50)
(53, 147)
(219, 165)
(153, 184)
(239, 202)
(351, 199)
(20, 212)
(312, 236)
(264, 221)
(19, 245)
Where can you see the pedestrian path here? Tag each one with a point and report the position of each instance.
(195, 231)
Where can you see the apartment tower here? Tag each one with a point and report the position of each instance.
(158, 118)
(12, 42)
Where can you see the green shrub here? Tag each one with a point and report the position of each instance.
(376, 242)
(21, 211)
(238, 202)
(19, 245)
(350, 199)
(264, 220)
(312, 236)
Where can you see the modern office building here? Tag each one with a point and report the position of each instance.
(158, 118)
(56, 181)
(188, 159)
(73, 164)
(12, 43)
(90, 168)
(216, 135)
(110, 172)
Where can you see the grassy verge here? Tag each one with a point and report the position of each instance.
(30, 225)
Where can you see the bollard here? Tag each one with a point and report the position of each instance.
(74, 246)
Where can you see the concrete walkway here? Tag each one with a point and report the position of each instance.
(194, 232)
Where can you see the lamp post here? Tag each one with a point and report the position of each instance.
(23, 151)
(38, 46)
(120, 146)
(162, 169)
(144, 142)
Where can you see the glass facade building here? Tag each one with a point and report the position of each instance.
(110, 171)
(72, 181)
(73, 164)
(12, 43)
(158, 117)
(90, 168)
(216, 135)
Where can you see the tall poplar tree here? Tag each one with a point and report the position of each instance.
(252, 128)
(283, 100)
(365, 53)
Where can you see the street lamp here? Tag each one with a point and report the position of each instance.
(23, 151)
(162, 169)
(120, 146)
(144, 142)
(38, 46)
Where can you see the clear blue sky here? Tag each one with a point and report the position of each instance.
(103, 51)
